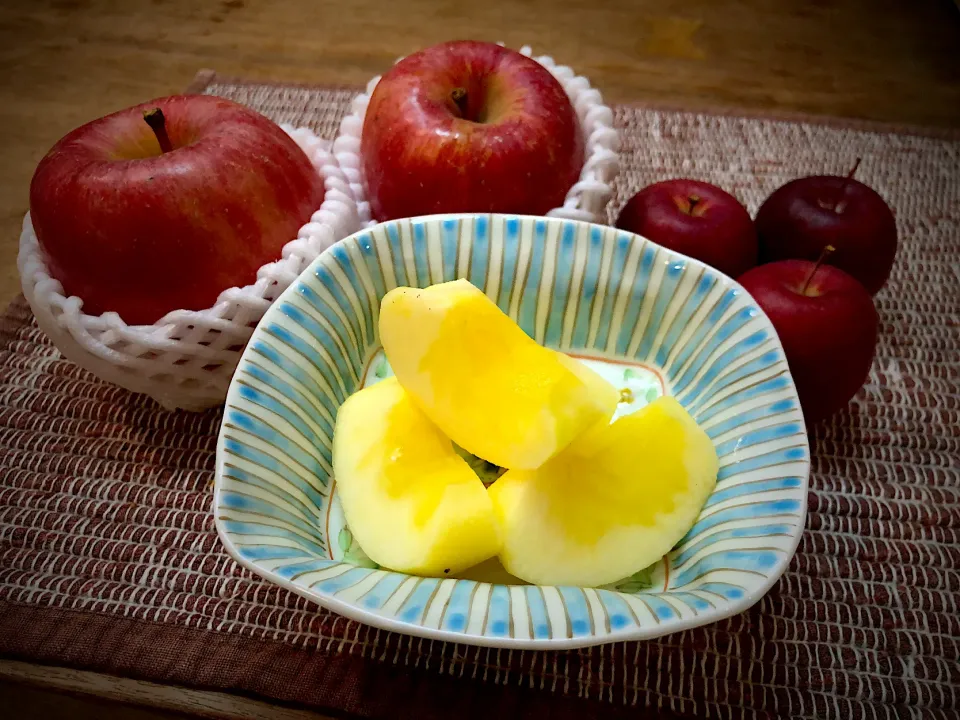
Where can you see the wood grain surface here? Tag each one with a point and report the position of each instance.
(38, 692)
(69, 61)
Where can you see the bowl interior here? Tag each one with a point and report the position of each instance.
(645, 317)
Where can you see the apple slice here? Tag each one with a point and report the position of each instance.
(483, 381)
(614, 502)
(411, 501)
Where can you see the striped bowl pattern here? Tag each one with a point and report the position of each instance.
(589, 290)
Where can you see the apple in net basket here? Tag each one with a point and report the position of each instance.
(164, 205)
(469, 126)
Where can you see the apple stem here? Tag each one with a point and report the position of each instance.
(459, 97)
(841, 204)
(154, 118)
(823, 256)
(853, 170)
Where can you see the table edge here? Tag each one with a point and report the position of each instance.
(176, 698)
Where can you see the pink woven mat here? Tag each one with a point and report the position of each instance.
(109, 559)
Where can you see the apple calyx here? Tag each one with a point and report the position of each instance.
(690, 205)
(824, 254)
(154, 118)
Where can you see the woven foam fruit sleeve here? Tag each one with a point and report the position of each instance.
(185, 359)
(586, 200)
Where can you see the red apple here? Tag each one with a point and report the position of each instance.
(827, 324)
(142, 221)
(469, 127)
(804, 216)
(697, 219)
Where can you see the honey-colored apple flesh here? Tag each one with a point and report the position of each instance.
(411, 500)
(491, 388)
(610, 504)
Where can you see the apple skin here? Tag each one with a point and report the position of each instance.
(804, 216)
(829, 332)
(697, 219)
(131, 229)
(512, 145)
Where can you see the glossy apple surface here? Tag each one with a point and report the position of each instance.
(804, 216)
(133, 229)
(469, 127)
(697, 219)
(828, 328)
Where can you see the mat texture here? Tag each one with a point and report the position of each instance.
(109, 559)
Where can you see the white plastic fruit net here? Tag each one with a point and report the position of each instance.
(186, 359)
(586, 200)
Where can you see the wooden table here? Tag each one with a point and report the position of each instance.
(69, 61)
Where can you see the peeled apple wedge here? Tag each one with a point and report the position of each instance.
(411, 501)
(614, 502)
(485, 383)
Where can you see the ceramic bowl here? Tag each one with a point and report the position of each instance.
(650, 319)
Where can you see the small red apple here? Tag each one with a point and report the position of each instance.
(697, 219)
(164, 205)
(804, 216)
(827, 324)
(469, 127)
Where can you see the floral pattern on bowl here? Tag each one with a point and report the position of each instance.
(650, 320)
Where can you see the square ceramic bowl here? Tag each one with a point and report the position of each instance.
(647, 318)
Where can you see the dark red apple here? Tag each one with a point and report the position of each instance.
(697, 219)
(804, 216)
(469, 127)
(827, 324)
(143, 215)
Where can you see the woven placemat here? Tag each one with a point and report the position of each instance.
(109, 559)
